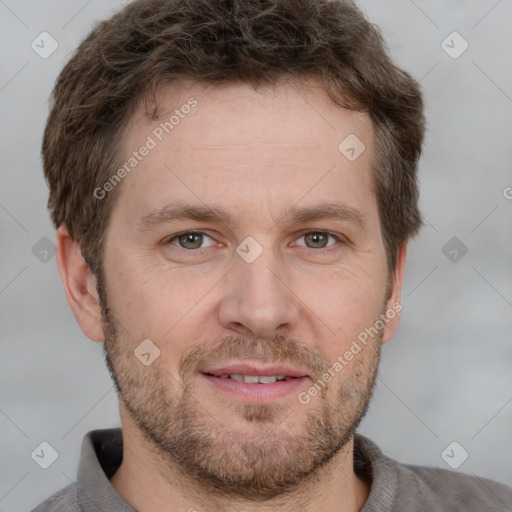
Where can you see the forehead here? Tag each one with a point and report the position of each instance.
(238, 112)
(234, 143)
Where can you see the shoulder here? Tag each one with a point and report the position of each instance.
(412, 488)
(64, 500)
(442, 490)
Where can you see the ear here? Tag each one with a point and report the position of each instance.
(393, 305)
(80, 285)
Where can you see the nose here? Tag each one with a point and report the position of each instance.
(257, 300)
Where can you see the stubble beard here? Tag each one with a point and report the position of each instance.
(263, 461)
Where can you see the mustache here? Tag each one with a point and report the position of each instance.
(279, 350)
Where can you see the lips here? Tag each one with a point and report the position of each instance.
(254, 382)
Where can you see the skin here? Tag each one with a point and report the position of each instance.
(257, 154)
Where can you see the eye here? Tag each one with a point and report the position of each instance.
(318, 239)
(193, 240)
(189, 240)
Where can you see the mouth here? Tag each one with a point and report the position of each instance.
(246, 381)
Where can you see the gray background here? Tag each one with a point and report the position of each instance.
(446, 375)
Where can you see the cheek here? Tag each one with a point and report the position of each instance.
(155, 302)
(349, 304)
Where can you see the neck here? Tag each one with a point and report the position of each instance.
(147, 483)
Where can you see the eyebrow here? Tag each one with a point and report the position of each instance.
(213, 214)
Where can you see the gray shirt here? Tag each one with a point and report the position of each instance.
(395, 487)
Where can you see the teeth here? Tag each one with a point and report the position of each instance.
(254, 379)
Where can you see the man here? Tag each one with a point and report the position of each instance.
(234, 186)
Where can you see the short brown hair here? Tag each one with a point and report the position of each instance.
(150, 42)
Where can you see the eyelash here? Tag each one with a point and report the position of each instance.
(336, 237)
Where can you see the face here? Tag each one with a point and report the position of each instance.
(247, 248)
